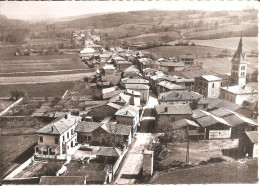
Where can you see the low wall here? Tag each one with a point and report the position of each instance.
(119, 160)
(19, 169)
(23, 181)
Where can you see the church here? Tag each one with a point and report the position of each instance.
(239, 91)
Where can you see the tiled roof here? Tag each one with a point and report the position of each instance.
(128, 111)
(75, 166)
(203, 101)
(131, 69)
(239, 89)
(113, 105)
(59, 126)
(207, 121)
(121, 97)
(112, 93)
(221, 112)
(109, 67)
(87, 126)
(219, 103)
(183, 123)
(253, 136)
(198, 114)
(61, 114)
(233, 120)
(211, 78)
(123, 62)
(132, 92)
(62, 180)
(115, 128)
(173, 109)
(135, 81)
(179, 95)
(185, 80)
(109, 151)
(170, 86)
(137, 87)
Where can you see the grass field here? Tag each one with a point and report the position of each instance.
(38, 90)
(173, 51)
(40, 63)
(209, 174)
(9, 152)
(249, 43)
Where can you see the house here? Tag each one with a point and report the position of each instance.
(215, 103)
(166, 114)
(143, 89)
(188, 128)
(165, 86)
(109, 152)
(208, 86)
(172, 66)
(135, 98)
(188, 60)
(122, 65)
(215, 127)
(148, 72)
(248, 145)
(62, 180)
(114, 79)
(134, 81)
(104, 57)
(58, 137)
(120, 99)
(179, 97)
(131, 71)
(202, 104)
(91, 177)
(107, 134)
(109, 69)
(129, 115)
(100, 112)
(237, 93)
(187, 83)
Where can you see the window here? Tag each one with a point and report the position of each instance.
(41, 139)
(172, 119)
(212, 85)
(68, 135)
(56, 140)
(221, 84)
(71, 131)
(89, 138)
(63, 138)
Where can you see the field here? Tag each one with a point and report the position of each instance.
(40, 63)
(9, 152)
(4, 104)
(38, 90)
(173, 51)
(209, 174)
(249, 43)
(199, 151)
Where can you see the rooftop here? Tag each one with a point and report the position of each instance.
(170, 86)
(121, 97)
(211, 78)
(183, 123)
(87, 126)
(109, 67)
(220, 103)
(131, 69)
(118, 129)
(239, 89)
(172, 64)
(60, 125)
(198, 114)
(179, 95)
(173, 109)
(221, 112)
(253, 136)
(109, 152)
(129, 111)
(132, 92)
(135, 81)
(137, 87)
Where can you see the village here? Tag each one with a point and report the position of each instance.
(121, 125)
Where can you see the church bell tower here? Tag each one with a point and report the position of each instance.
(239, 65)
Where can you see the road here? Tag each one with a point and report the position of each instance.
(133, 161)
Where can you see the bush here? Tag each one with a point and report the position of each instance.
(216, 160)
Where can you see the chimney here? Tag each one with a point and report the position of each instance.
(165, 109)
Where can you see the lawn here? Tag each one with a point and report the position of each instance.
(11, 147)
(40, 63)
(38, 90)
(173, 51)
(249, 43)
(209, 174)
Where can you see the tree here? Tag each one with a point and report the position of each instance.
(15, 94)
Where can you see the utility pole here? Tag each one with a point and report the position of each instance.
(188, 148)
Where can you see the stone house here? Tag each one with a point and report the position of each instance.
(105, 134)
(143, 89)
(109, 70)
(122, 65)
(187, 83)
(208, 86)
(58, 137)
(172, 66)
(129, 115)
(166, 114)
(188, 60)
(165, 86)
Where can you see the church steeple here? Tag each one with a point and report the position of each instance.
(239, 64)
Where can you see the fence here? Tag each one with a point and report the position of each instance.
(24, 181)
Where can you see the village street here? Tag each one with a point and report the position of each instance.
(133, 161)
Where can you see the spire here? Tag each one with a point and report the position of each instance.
(240, 46)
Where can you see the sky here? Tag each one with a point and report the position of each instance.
(39, 10)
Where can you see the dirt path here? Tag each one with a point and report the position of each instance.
(134, 158)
